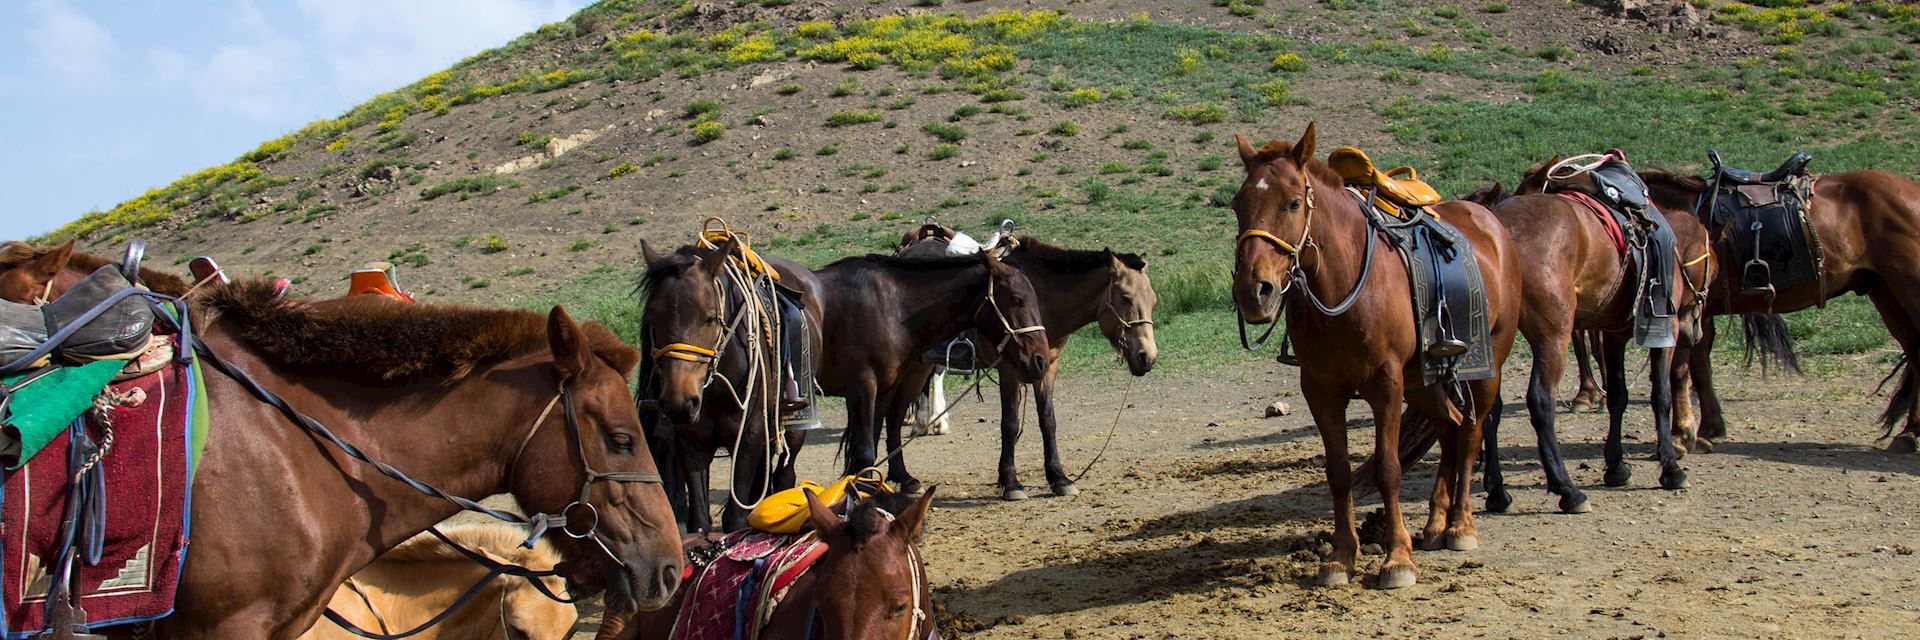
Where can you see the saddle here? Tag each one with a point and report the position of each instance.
(1391, 193)
(1645, 241)
(377, 279)
(1764, 220)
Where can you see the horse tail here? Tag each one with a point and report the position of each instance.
(1768, 338)
(1905, 396)
(1418, 434)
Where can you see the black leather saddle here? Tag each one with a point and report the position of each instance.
(1796, 164)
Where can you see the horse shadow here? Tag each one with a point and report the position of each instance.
(1833, 455)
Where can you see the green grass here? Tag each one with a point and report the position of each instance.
(471, 186)
(945, 132)
(847, 118)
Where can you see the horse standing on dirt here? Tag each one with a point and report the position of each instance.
(688, 299)
(1868, 225)
(1582, 280)
(931, 240)
(461, 397)
(1083, 287)
(870, 585)
(1370, 347)
(879, 313)
(421, 577)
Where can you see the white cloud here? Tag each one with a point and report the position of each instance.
(377, 45)
(247, 79)
(68, 43)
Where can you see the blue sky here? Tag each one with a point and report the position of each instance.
(104, 100)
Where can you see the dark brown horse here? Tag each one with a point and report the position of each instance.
(1580, 281)
(1083, 287)
(1868, 223)
(1300, 229)
(454, 396)
(871, 584)
(879, 313)
(689, 298)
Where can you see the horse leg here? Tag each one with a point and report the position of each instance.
(1386, 396)
(1461, 534)
(1588, 397)
(1549, 361)
(1010, 410)
(694, 461)
(1430, 403)
(1660, 376)
(1043, 403)
(1498, 500)
(1329, 407)
(1713, 424)
(1901, 326)
(1613, 364)
(750, 474)
(896, 412)
(1686, 423)
(940, 426)
(861, 429)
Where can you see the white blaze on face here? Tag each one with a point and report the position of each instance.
(1261, 185)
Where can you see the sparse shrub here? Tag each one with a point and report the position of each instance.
(1064, 128)
(1137, 144)
(701, 107)
(1198, 113)
(827, 150)
(787, 89)
(943, 152)
(783, 154)
(1494, 7)
(621, 169)
(581, 245)
(853, 117)
(845, 88)
(475, 185)
(1082, 97)
(532, 139)
(945, 132)
(1289, 62)
(492, 243)
(706, 132)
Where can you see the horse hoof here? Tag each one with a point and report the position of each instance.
(1703, 445)
(1433, 542)
(1397, 577)
(1499, 501)
(1575, 503)
(1064, 489)
(1903, 443)
(911, 487)
(919, 431)
(1673, 480)
(943, 429)
(1463, 543)
(1618, 476)
(1013, 495)
(1332, 574)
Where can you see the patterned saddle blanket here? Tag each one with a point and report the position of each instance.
(1449, 297)
(733, 587)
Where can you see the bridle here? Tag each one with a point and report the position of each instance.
(542, 522)
(991, 303)
(1297, 274)
(1108, 307)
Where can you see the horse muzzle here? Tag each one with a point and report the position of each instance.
(1258, 301)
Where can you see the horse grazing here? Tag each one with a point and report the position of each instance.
(879, 313)
(730, 399)
(1369, 343)
(1580, 280)
(1868, 225)
(475, 402)
(870, 585)
(422, 576)
(1083, 287)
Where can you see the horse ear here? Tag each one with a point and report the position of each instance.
(50, 264)
(718, 259)
(1302, 151)
(823, 519)
(1247, 152)
(911, 523)
(647, 253)
(571, 353)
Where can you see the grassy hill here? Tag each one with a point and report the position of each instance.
(528, 174)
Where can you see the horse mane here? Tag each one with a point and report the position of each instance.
(14, 253)
(941, 263)
(1075, 259)
(670, 266)
(377, 339)
(499, 540)
(864, 520)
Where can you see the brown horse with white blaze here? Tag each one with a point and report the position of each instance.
(1370, 348)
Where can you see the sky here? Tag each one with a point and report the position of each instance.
(104, 100)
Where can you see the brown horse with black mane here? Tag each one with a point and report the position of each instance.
(1868, 225)
(459, 397)
(1372, 346)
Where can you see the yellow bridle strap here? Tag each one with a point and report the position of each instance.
(684, 351)
(1284, 245)
(1305, 231)
(1703, 258)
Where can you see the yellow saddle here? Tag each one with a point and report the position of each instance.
(786, 511)
(1357, 170)
(716, 232)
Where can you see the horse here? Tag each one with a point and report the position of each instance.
(30, 273)
(1369, 343)
(422, 576)
(1083, 287)
(688, 298)
(1868, 223)
(932, 240)
(879, 313)
(459, 394)
(1580, 281)
(870, 585)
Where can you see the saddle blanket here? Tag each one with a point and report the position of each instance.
(1767, 239)
(1649, 259)
(147, 480)
(735, 595)
(1443, 272)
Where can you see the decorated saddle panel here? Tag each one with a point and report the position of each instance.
(1449, 297)
(734, 596)
(1764, 232)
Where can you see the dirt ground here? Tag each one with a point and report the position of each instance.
(1203, 520)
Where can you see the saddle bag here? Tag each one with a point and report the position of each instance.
(22, 329)
(119, 333)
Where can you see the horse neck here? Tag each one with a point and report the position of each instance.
(1333, 266)
(1073, 297)
(1673, 197)
(406, 594)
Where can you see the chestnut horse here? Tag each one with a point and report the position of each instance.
(1370, 347)
(416, 580)
(1083, 287)
(1868, 223)
(871, 584)
(1581, 282)
(879, 313)
(458, 396)
(687, 299)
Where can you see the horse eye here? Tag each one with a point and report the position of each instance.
(623, 442)
(1293, 206)
(897, 611)
(1126, 298)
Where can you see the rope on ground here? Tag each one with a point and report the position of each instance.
(1110, 429)
(934, 420)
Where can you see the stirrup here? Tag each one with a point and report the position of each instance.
(1760, 269)
(1447, 348)
(1286, 357)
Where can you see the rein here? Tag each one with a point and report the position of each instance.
(1297, 274)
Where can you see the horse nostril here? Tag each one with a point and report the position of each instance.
(669, 578)
(1039, 364)
(1266, 290)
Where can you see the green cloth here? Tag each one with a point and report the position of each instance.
(42, 410)
(202, 420)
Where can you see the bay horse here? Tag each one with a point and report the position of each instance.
(1580, 281)
(687, 298)
(29, 273)
(879, 313)
(1371, 347)
(1868, 223)
(416, 580)
(459, 397)
(1083, 287)
(870, 585)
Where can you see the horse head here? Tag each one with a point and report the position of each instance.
(875, 584)
(1009, 317)
(686, 320)
(1126, 312)
(27, 272)
(1274, 209)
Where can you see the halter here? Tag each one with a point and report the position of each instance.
(1006, 326)
(1107, 306)
(1297, 274)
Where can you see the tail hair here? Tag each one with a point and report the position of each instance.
(1768, 340)
(1905, 396)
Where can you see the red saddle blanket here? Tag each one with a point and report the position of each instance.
(741, 587)
(146, 478)
(1600, 211)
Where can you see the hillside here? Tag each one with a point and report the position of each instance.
(531, 172)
